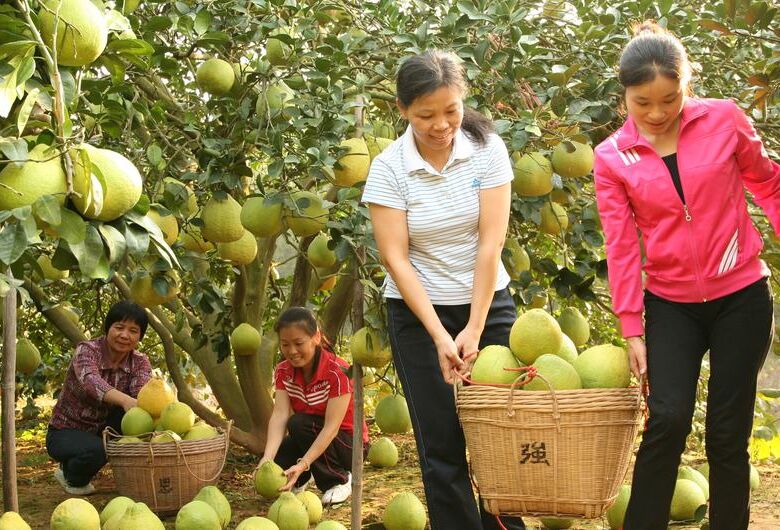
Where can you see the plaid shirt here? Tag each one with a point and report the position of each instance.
(90, 375)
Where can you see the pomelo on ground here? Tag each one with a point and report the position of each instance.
(40, 175)
(555, 220)
(154, 396)
(177, 417)
(108, 187)
(13, 521)
(289, 513)
(240, 252)
(383, 453)
(28, 358)
(330, 525)
(312, 504)
(137, 516)
(215, 76)
(257, 523)
(571, 159)
(533, 175)
(245, 339)
(575, 325)
(534, 333)
(617, 511)
(269, 477)
(492, 364)
(392, 415)
(137, 421)
(82, 31)
(404, 512)
(688, 502)
(556, 523)
(262, 217)
(114, 506)
(217, 500)
(222, 220)
(74, 514)
(558, 374)
(306, 215)
(603, 366)
(687, 472)
(197, 515)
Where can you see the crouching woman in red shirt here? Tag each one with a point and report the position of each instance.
(310, 430)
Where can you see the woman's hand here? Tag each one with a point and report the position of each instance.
(293, 472)
(467, 343)
(449, 359)
(637, 355)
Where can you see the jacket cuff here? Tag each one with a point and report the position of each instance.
(631, 324)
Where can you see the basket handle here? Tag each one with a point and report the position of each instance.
(224, 458)
(528, 374)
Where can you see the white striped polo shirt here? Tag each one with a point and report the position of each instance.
(442, 210)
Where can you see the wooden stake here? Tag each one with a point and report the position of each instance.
(10, 496)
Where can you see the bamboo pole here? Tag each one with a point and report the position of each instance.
(10, 494)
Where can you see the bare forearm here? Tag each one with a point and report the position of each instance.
(276, 428)
(485, 274)
(118, 398)
(320, 444)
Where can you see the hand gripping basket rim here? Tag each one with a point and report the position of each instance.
(553, 453)
(185, 466)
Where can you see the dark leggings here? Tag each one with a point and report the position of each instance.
(737, 331)
(437, 431)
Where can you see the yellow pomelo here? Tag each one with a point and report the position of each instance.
(366, 349)
(114, 506)
(215, 76)
(40, 175)
(154, 396)
(572, 159)
(603, 366)
(392, 415)
(28, 358)
(557, 373)
(192, 240)
(617, 512)
(222, 220)
(197, 515)
(318, 252)
(245, 339)
(218, 502)
(312, 504)
(269, 477)
(352, 167)
(328, 284)
(687, 472)
(241, 252)
(137, 421)
(534, 333)
(383, 453)
(307, 215)
(574, 325)
(72, 514)
(556, 523)
(273, 100)
(377, 144)
(277, 52)
(289, 513)
(404, 512)
(262, 218)
(200, 431)
(555, 220)
(13, 521)
(688, 501)
(562, 197)
(110, 188)
(493, 364)
(50, 272)
(257, 523)
(137, 516)
(82, 31)
(143, 293)
(515, 258)
(177, 417)
(167, 223)
(533, 175)
(539, 300)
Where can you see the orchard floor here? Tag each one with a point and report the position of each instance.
(39, 493)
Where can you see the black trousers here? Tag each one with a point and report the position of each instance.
(332, 467)
(440, 443)
(81, 453)
(737, 331)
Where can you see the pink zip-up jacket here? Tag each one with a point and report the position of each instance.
(693, 252)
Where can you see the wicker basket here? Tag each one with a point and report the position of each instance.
(165, 476)
(557, 453)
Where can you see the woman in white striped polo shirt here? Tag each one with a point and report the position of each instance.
(439, 199)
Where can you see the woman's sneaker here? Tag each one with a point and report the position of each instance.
(59, 475)
(338, 493)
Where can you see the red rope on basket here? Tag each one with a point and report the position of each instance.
(528, 376)
(500, 524)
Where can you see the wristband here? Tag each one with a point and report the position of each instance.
(304, 462)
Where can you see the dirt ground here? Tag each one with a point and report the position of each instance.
(39, 493)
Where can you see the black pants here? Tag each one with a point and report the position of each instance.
(440, 442)
(737, 331)
(81, 453)
(332, 467)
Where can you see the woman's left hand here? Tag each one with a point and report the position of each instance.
(467, 342)
(293, 472)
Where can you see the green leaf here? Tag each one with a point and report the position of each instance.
(7, 93)
(26, 109)
(137, 240)
(130, 47)
(202, 21)
(115, 242)
(72, 228)
(771, 393)
(13, 242)
(90, 254)
(154, 154)
(14, 149)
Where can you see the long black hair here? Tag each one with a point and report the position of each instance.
(653, 51)
(427, 72)
(303, 318)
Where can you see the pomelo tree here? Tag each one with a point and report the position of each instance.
(242, 162)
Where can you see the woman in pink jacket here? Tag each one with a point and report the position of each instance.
(674, 175)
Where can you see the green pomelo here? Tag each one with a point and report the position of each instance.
(704, 469)
(28, 358)
(404, 512)
(318, 252)
(493, 366)
(262, 218)
(330, 525)
(352, 167)
(177, 417)
(273, 100)
(200, 431)
(534, 333)
(617, 511)
(215, 76)
(603, 366)
(269, 477)
(164, 437)
(23, 184)
(392, 415)
(240, 252)
(383, 453)
(136, 517)
(82, 31)
(257, 523)
(166, 222)
(559, 374)
(109, 188)
(555, 523)
(245, 339)
(277, 51)
(366, 349)
(289, 513)
(555, 220)
(515, 258)
(222, 220)
(74, 514)
(192, 239)
(568, 351)
(197, 515)
(214, 498)
(687, 472)
(312, 504)
(50, 272)
(129, 440)
(572, 159)
(13, 521)
(376, 144)
(137, 421)
(533, 175)
(307, 215)
(574, 325)
(688, 502)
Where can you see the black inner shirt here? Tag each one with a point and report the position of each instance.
(674, 171)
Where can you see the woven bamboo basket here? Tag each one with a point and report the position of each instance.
(555, 453)
(165, 476)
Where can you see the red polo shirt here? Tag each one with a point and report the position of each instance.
(329, 381)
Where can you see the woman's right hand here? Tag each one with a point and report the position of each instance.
(637, 355)
(449, 359)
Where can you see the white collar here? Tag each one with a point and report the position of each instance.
(462, 147)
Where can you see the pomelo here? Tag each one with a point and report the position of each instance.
(197, 515)
(82, 31)
(217, 500)
(136, 421)
(568, 351)
(572, 159)
(269, 477)
(289, 513)
(177, 417)
(245, 339)
(330, 525)
(687, 472)
(114, 506)
(257, 523)
(74, 514)
(167, 223)
(28, 358)
(312, 504)
(555, 220)
(318, 252)
(13, 521)
(50, 272)
(352, 167)
(575, 325)
(603, 366)
(307, 215)
(215, 76)
(532, 175)
(616, 513)
(555, 523)
(154, 396)
(688, 502)
(392, 415)
(40, 175)
(366, 349)
(383, 453)
(404, 512)
(515, 258)
(222, 220)
(262, 217)
(108, 187)
(240, 252)
(559, 374)
(534, 333)
(200, 431)
(492, 364)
